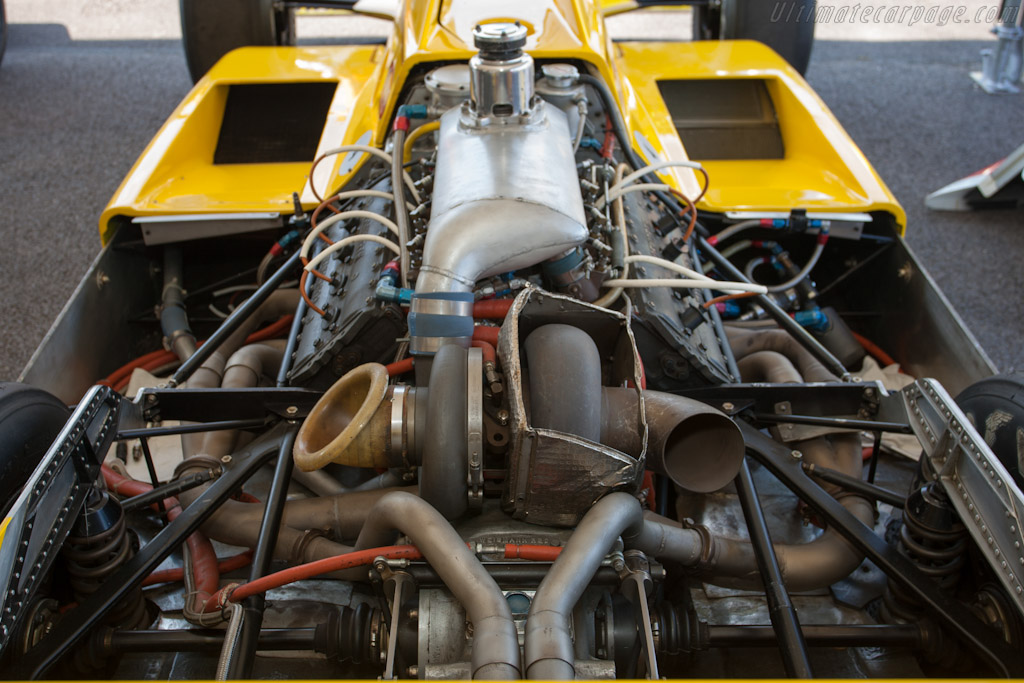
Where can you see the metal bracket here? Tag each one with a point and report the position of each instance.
(636, 583)
(980, 488)
(41, 517)
(846, 399)
(209, 405)
(397, 583)
(475, 427)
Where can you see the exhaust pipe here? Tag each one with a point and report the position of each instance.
(696, 446)
(495, 641)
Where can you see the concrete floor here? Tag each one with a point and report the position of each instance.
(86, 83)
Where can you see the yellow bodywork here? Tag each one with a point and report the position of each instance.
(822, 168)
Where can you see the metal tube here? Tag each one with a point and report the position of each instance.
(826, 635)
(697, 446)
(244, 368)
(780, 608)
(173, 316)
(401, 211)
(293, 339)
(201, 640)
(808, 566)
(837, 422)
(234, 321)
(197, 428)
(167, 490)
(768, 366)
(857, 485)
(801, 335)
(565, 381)
(495, 642)
(238, 523)
(876, 446)
(154, 480)
(548, 650)
(252, 614)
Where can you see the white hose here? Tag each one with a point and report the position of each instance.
(307, 244)
(804, 272)
(379, 153)
(735, 228)
(341, 196)
(619, 190)
(724, 286)
(655, 167)
(341, 244)
(670, 265)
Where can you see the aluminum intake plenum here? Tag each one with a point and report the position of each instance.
(506, 197)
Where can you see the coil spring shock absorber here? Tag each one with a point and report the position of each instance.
(97, 546)
(933, 537)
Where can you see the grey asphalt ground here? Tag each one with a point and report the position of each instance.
(85, 84)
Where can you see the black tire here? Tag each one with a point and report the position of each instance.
(3, 31)
(30, 419)
(786, 26)
(995, 406)
(212, 28)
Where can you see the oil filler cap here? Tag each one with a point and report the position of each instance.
(501, 41)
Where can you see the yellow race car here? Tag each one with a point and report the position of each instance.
(505, 350)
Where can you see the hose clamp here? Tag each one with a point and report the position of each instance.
(402, 424)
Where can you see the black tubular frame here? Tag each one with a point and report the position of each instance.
(253, 606)
(235, 320)
(860, 486)
(171, 488)
(785, 624)
(221, 425)
(249, 635)
(805, 338)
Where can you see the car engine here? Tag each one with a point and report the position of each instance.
(532, 423)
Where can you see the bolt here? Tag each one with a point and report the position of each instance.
(503, 417)
(226, 459)
(291, 410)
(727, 406)
(796, 455)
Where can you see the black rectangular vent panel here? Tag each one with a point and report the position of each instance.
(269, 123)
(724, 119)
